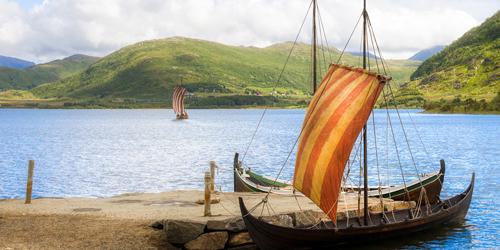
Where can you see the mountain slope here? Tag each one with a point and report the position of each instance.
(427, 53)
(14, 63)
(150, 69)
(43, 73)
(469, 67)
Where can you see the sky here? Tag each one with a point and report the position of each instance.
(44, 30)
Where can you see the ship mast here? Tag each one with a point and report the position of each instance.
(314, 59)
(365, 143)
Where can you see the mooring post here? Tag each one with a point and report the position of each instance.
(207, 194)
(213, 166)
(29, 184)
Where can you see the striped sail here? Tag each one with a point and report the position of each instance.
(178, 101)
(336, 115)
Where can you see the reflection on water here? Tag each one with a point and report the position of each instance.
(108, 152)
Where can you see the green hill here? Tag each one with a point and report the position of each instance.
(467, 68)
(217, 74)
(27, 78)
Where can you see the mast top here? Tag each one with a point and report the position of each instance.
(314, 53)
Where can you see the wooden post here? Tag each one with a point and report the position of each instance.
(207, 194)
(213, 166)
(29, 184)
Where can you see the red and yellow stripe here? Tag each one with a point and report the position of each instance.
(178, 100)
(337, 113)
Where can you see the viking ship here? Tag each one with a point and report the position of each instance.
(178, 102)
(245, 180)
(336, 118)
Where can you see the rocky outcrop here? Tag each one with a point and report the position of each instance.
(283, 220)
(234, 225)
(214, 234)
(239, 239)
(307, 218)
(180, 232)
(213, 240)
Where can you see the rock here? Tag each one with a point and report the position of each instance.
(239, 239)
(351, 213)
(307, 218)
(234, 225)
(245, 247)
(216, 225)
(157, 225)
(180, 232)
(214, 240)
(168, 246)
(279, 220)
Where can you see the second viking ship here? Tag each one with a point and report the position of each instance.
(178, 103)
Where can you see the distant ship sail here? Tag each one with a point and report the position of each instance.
(178, 102)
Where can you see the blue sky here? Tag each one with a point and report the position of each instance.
(60, 28)
(28, 4)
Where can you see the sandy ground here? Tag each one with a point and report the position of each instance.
(120, 222)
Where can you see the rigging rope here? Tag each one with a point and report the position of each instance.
(370, 27)
(277, 82)
(322, 27)
(313, 107)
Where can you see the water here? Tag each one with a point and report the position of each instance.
(107, 152)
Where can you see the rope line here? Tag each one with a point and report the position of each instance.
(277, 82)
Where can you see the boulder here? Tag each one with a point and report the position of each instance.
(213, 240)
(234, 225)
(351, 213)
(307, 218)
(245, 247)
(239, 239)
(181, 231)
(283, 220)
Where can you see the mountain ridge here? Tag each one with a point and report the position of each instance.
(425, 54)
(463, 77)
(150, 69)
(35, 75)
(14, 63)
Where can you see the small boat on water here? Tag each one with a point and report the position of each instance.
(245, 180)
(178, 103)
(336, 118)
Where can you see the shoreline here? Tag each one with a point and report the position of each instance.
(118, 222)
(178, 204)
(236, 108)
(127, 221)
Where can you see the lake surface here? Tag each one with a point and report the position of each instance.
(107, 152)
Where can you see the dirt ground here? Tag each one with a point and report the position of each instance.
(120, 222)
(27, 231)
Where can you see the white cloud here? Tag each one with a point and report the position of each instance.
(58, 28)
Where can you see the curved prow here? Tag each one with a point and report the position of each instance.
(467, 198)
(470, 189)
(442, 170)
(236, 170)
(243, 208)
